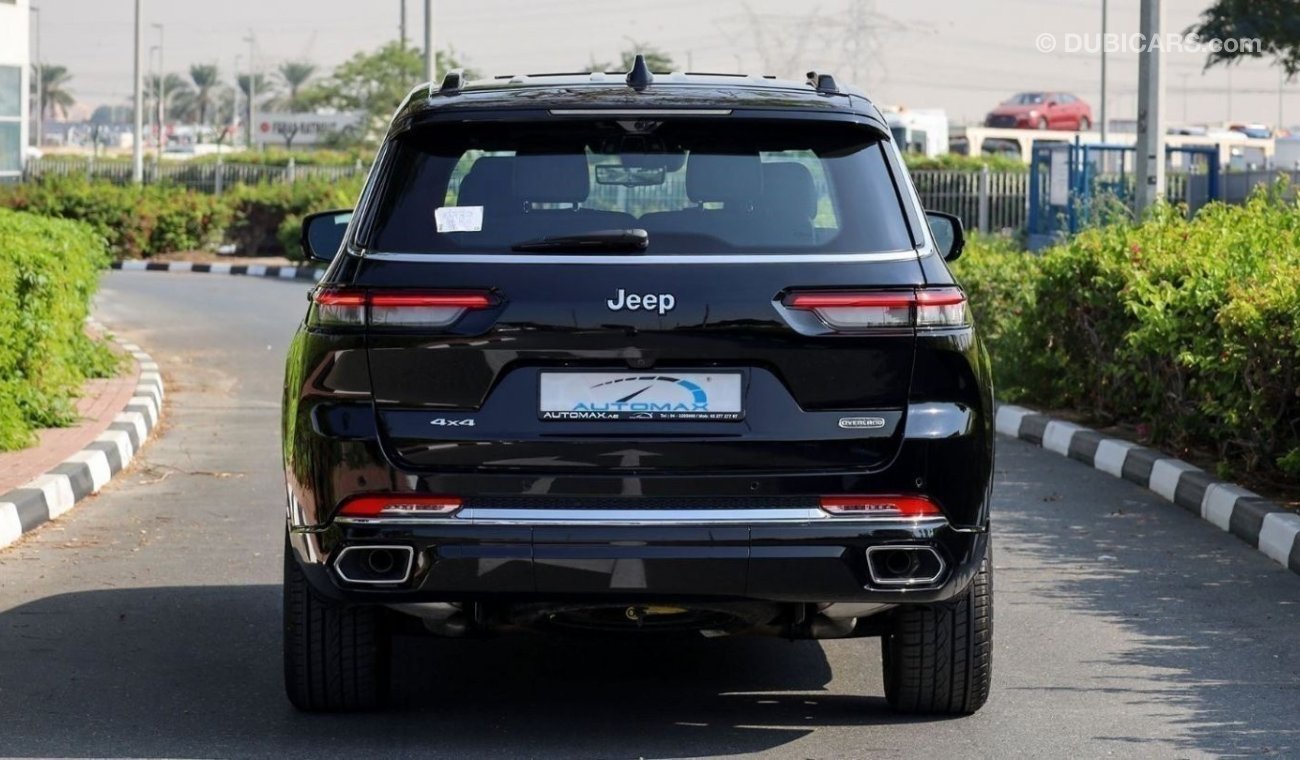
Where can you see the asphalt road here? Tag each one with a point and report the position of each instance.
(146, 623)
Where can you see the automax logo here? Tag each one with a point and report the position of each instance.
(696, 399)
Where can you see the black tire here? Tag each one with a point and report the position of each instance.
(336, 656)
(938, 659)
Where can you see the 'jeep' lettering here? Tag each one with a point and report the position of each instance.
(660, 302)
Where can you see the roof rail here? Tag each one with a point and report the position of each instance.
(823, 82)
(639, 77)
(451, 82)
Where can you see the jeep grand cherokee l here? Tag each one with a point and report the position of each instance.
(630, 355)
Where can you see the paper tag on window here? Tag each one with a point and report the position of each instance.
(459, 218)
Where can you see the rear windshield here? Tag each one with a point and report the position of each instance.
(694, 185)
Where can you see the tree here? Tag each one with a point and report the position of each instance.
(295, 74)
(1275, 23)
(655, 58)
(55, 97)
(206, 78)
(375, 82)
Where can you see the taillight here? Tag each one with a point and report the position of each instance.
(393, 308)
(894, 505)
(399, 505)
(876, 310)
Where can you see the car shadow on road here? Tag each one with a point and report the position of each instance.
(1207, 626)
(196, 671)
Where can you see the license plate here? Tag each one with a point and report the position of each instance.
(691, 396)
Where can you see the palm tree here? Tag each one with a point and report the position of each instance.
(55, 97)
(295, 74)
(206, 78)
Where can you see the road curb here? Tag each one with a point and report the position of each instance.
(1259, 522)
(53, 493)
(248, 270)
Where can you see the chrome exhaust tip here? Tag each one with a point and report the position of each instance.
(901, 566)
(374, 565)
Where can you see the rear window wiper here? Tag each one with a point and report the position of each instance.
(600, 241)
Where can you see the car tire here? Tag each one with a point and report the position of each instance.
(1042, 122)
(1084, 124)
(938, 659)
(336, 656)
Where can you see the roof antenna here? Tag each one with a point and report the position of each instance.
(824, 83)
(451, 82)
(639, 77)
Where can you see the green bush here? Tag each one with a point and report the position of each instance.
(136, 221)
(49, 270)
(280, 157)
(1191, 328)
(958, 162)
(267, 217)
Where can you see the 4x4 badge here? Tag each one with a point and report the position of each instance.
(867, 423)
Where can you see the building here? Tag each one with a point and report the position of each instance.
(15, 73)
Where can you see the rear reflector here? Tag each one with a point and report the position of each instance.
(937, 307)
(393, 308)
(881, 506)
(399, 505)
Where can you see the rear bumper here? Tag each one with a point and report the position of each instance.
(801, 561)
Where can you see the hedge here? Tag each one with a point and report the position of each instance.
(139, 222)
(1189, 328)
(49, 269)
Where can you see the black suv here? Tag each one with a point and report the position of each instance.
(638, 354)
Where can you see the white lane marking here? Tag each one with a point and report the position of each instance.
(1008, 419)
(1165, 474)
(1057, 436)
(1277, 535)
(1217, 504)
(1111, 453)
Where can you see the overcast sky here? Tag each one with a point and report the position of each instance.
(962, 55)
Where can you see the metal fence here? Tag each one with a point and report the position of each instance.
(206, 177)
(985, 200)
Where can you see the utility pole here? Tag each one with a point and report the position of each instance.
(430, 54)
(1104, 4)
(38, 133)
(162, 94)
(1150, 113)
(252, 87)
(403, 25)
(137, 147)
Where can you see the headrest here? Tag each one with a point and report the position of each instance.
(488, 182)
(551, 177)
(731, 179)
(790, 185)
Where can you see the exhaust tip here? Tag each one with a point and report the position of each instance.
(374, 565)
(899, 566)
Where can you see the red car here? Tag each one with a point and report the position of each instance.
(1041, 110)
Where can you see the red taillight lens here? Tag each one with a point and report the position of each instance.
(399, 505)
(895, 505)
(394, 308)
(937, 307)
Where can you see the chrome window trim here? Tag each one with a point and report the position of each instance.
(910, 254)
(640, 112)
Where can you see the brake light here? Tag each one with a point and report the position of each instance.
(875, 310)
(393, 308)
(399, 505)
(891, 505)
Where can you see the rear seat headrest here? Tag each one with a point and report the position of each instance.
(551, 177)
(487, 183)
(730, 179)
(787, 184)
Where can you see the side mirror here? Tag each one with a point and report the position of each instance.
(948, 233)
(323, 233)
